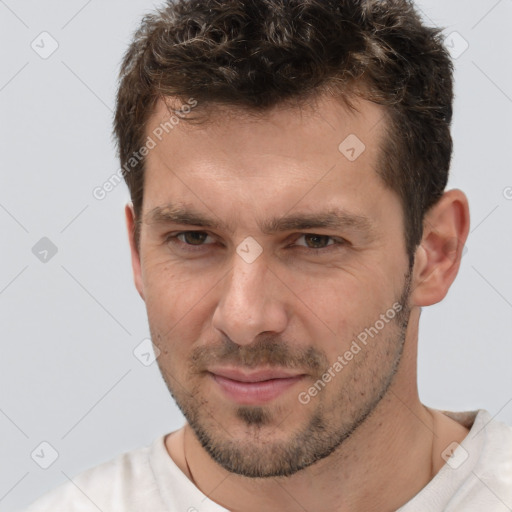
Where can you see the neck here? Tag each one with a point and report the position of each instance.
(380, 467)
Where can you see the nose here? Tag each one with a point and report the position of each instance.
(250, 303)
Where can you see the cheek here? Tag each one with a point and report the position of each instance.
(166, 284)
(176, 318)
(335, 309)
(176, 305)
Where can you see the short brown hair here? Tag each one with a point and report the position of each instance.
(255, 54)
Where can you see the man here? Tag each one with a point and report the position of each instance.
(287, 161)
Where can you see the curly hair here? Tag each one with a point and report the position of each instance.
(256, 54)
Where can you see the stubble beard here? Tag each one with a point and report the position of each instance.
(329, 425)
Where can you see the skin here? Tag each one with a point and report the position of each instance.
(299, 305)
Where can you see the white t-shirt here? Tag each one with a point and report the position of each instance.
(477, 478)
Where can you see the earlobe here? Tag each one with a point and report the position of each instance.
(446, 228)
(134, 250)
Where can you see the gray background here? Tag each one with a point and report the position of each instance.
(69, 325)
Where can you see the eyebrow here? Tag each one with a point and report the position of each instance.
(334, 218)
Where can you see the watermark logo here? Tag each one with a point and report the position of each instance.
(455, 455)
(45, 45)
(146, 352)
(44, 455)
(352, 147)
(455, 44)
(44, 250)
(249, 249)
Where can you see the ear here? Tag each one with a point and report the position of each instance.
(437, 259)
(136, 266)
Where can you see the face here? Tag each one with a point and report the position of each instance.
(275, 276)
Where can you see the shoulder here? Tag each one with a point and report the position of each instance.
(488, 454)
(494, 466)
(477, 475)
(113, 485)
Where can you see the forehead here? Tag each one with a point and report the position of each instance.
(233, 162)
(322, 115)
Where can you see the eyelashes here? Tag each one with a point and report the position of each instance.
(194, 241)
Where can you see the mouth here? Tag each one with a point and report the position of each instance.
(256, 387)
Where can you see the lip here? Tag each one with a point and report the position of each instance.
(256, 387)
(254, 376)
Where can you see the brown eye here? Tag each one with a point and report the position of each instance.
(191, 242)
(194, 237)
(319, 244)
(317, 241)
